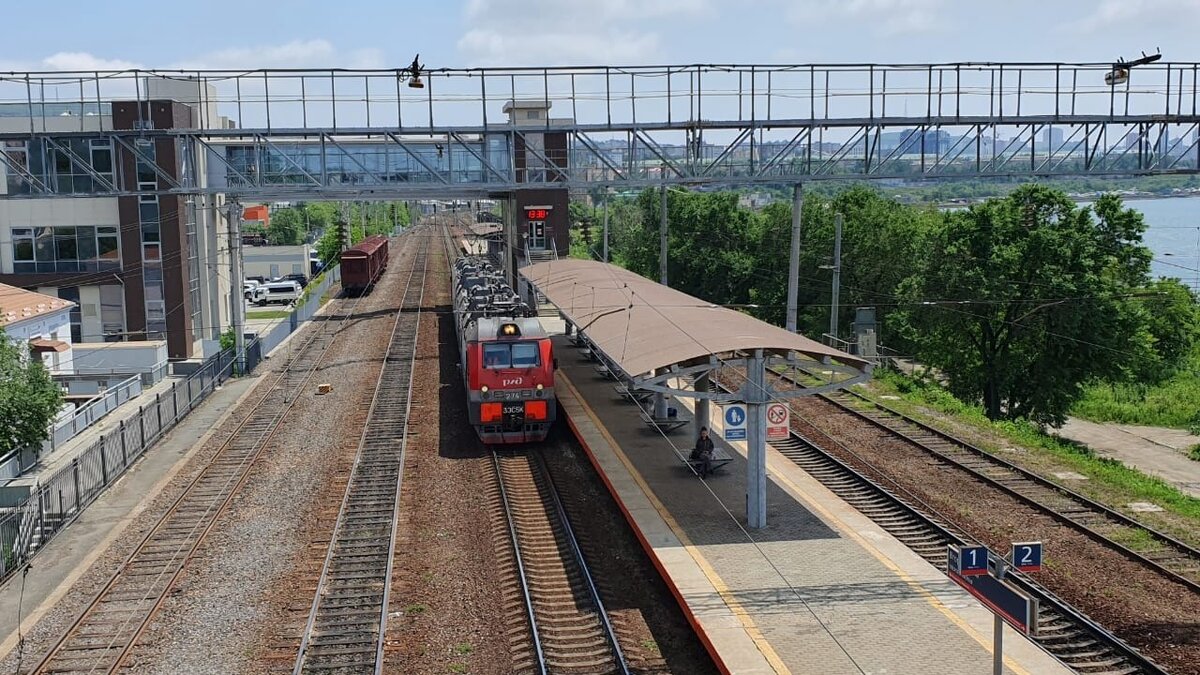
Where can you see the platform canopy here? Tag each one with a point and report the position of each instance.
(647, 329)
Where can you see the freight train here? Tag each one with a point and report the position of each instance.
(506, 356)
(363, 264)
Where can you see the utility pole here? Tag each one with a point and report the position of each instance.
(793, 288)
(236, 301)
(837, 276)
(662, 239)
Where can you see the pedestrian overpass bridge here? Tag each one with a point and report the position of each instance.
(364, 134)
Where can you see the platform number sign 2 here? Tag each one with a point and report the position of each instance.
(1027, 556)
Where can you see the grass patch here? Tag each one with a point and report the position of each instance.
(268, 314)
(1133, 485)
(414, 609)
(458, 667)
(1174, 402)
(463, 648)
(1138, 540)
(650, 646)
(1193, 452)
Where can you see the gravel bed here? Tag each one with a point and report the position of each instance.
(241, 604)
(1158, 616)
(445, 613)
(58, 618)
(655, 636)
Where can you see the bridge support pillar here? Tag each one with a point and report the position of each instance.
(793, 290)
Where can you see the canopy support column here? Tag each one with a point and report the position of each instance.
(702, 386)
(660, 404)
(662, 239)
(755, 394)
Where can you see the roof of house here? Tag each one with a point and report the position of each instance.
(17, 304)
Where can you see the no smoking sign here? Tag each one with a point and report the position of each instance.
(778, 421)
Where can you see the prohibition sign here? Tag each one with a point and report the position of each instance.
(776, 413)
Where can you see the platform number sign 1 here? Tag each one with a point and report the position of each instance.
(735, 422)
(1027, 556)
(969, 561)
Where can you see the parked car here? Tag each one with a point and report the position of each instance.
(254, 292)
(281, 291)
(296, 277)
(258, 280)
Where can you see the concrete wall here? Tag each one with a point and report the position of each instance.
(257, 260)
(121, 357)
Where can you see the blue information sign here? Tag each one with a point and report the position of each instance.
(735, 422)
(968, 561)
(1027, 556)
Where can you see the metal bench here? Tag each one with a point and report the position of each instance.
(665, 424)
(718, 460)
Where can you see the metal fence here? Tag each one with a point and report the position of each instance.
(25, 528)
(84, 417)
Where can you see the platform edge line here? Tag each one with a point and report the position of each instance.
(734, 606)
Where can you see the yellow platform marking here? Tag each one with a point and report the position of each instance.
(847, 530)
(727, 596)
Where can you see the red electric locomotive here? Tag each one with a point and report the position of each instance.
(508, 362)
(363, 264)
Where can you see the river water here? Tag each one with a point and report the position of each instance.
(1173, 234)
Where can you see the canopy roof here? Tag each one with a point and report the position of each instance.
(644, 326)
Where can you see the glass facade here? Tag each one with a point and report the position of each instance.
(56, 168)
(50, 250)
(149, 216)
(357, 162)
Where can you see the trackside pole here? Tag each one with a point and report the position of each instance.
(997, 645)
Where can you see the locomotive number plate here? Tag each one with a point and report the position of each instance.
(514, 408)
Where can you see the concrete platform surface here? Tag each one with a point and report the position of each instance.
(822, 589)
(68, 555)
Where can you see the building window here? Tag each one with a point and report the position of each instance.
(112, 313)
(17, 154)
(72, 293)
(51, 250)
(101, 155)
(156, 306)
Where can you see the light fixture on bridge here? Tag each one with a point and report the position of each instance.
(1120, 70)
(414, 71)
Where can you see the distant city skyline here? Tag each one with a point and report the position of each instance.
(615, 32)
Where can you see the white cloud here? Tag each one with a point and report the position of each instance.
(294, 54)
(884, 18)
(522, 32)
(1124, 14)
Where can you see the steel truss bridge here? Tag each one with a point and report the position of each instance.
(275, 134)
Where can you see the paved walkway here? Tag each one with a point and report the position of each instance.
(56, 568)
(822, 589)
(1152, 450)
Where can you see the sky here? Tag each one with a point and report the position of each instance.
(251, 34)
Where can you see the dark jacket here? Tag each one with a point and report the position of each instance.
(703, 449)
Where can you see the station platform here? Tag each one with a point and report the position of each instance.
(821, 589)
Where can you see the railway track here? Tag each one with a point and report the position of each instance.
(101, 638)
(1157, 550)
(1068, 635)
(348, 619)
(1062, 631)
(569, 629)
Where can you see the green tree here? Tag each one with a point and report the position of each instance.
(29, 398)
(1021, 300)
(286, 227)
(1169, 312)
(330, 245)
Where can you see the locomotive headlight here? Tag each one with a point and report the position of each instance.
(484, 389)
(539, 387)
(539, 393)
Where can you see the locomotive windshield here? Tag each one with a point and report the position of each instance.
(511, 355)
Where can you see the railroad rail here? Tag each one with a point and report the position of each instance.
(1169, 556)
(1062, 631)
(101, 638)
(570, 630)
(348, 619)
